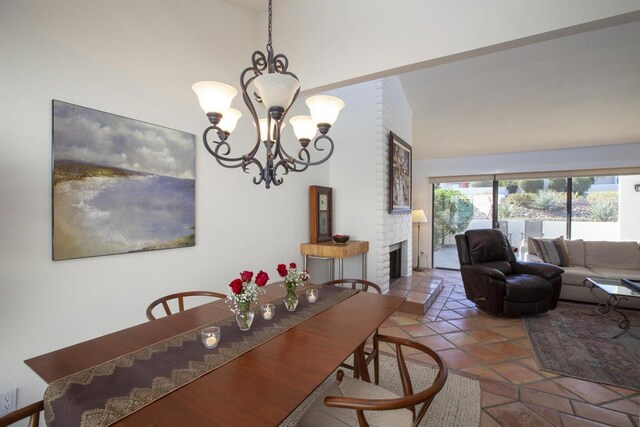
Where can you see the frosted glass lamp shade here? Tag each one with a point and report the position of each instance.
(263, 128)
(418, 216)
(303, 127)
(229, 120)
(324, 108)
(276, 90)
(214, 97)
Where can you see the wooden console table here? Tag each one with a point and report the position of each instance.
(331, 250)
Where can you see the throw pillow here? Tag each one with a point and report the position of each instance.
(553, 251)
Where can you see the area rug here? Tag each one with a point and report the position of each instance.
(574, 341)
(457, 404)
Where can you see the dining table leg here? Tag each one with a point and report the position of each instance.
(360, 370)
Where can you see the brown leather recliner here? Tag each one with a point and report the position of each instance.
(498, 283)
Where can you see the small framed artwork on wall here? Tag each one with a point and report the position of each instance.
(399, 175)
(320, 213)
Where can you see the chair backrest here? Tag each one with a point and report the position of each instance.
(32, 412)
(485, 247)
(410, 399)
(360, 284)
(532, 228)
(180, 297)
(504, 227)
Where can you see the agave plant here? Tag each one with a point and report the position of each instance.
(547, 200)
(604, 211)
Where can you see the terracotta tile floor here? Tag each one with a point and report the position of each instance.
(497, 352)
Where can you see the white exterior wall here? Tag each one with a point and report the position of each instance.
(629, 207)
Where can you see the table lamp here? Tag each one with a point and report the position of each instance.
(418, 217)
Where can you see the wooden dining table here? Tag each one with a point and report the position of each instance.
(259, 388)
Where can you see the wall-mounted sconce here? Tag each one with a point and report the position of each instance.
(637, 187)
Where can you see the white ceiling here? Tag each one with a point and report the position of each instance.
(255, 6)
(576, 91)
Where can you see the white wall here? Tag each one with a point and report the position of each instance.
(363, 39)
(137, 59)
(611, 156)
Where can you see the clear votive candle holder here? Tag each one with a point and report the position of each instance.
(210, 336)
(312, 295)
(268, 311)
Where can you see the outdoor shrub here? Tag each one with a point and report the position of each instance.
(604, 211)
(507, 209)
(548, 200)
(603, 206)
(581, 185)
(531, 185)
(558, 184)
(453, 213)
(519, 199)
(600, 196)
(477, 184)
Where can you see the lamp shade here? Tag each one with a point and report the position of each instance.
(418, 216)
(263, 128)
(276, 90)
(324, 108)
(214, 97)
(229, 120)
(303, 127)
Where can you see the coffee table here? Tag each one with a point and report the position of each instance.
(615, 291)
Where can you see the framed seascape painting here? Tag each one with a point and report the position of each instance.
(119, 185)
(399, 175)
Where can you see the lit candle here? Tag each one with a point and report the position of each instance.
(312, 298)
(267, 313)
(211, 341)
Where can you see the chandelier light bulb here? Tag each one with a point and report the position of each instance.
(303, 127)
(324, 108)
(263, 128)
(276, 90)
(214, 97)
(230, 120)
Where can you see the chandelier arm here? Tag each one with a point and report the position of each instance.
(247, 100)
(219, 145)
(315, 144)
(258, 178)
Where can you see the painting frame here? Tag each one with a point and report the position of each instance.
(116, 182)
(320, 214)
(400, 175)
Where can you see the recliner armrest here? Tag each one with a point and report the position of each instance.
(484, 271)
(547, 271)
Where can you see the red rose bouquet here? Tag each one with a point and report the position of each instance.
(292, 279)
(245, 290)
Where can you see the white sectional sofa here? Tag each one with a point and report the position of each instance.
(610, 260)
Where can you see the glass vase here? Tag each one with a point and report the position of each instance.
(291, 299)
(244, 316)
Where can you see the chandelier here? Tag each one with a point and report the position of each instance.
(276, 89)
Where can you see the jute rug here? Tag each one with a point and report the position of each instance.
(457, 404)
(574, 341)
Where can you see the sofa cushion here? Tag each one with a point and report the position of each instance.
(527, 288)
(612, 255)
(553, 251)
(576, 275)
(617, 273)
(576, 252)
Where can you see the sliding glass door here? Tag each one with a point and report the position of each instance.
(589, 207)
(458, 207)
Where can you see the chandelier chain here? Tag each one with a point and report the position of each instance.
(270, 18)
